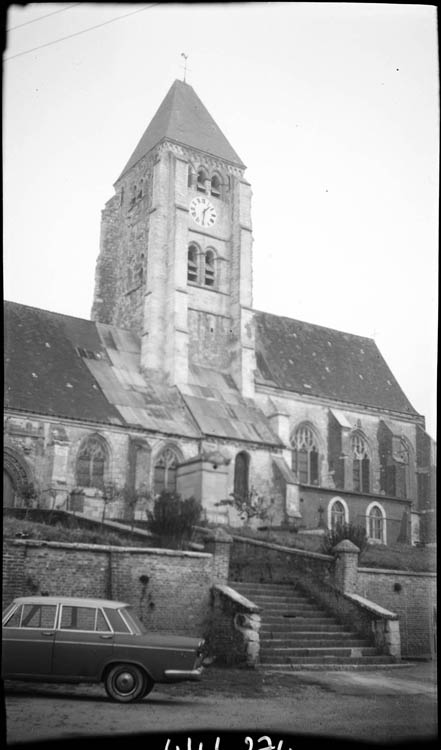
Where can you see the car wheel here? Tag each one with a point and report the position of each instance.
(149, 685)
(125, 683)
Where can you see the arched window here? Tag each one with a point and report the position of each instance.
(209, 268)
(92, 462)
(376, 523)
(241, 475)
(192, 263)
(338, 515)
(190, 176)
(164, 474)
(215, 186)
(305, 455)
(360, 464)
(200, 184)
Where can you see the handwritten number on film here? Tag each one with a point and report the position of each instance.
(268, 745)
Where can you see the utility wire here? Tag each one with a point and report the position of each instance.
(63, 39)
(34, 20)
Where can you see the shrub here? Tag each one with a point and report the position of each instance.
(355, 534)
(173, 518)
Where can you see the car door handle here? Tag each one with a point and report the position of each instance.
(106, 637)
(48, 632)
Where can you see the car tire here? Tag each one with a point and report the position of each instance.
(149, 685)
(125, 683)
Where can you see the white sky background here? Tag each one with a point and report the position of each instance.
(332, 107)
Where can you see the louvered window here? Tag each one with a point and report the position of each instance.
(215, 186)
(209, 268)
(192, 264)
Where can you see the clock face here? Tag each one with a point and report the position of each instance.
(202, 211)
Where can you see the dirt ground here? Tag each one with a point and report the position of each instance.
(363, 707)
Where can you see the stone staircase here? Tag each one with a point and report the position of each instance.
(298, 634)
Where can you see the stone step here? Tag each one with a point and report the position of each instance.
(327, 660)
(268, 586)
(318, 614)
(282, 654)
(352, 667)
(278, 643)
(337, 635)
(290, 609)
(301, 625)
(270, 601)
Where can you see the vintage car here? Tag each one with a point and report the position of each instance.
(70, 639)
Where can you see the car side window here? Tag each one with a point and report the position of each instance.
(38, 616)
(14, 619)
(82, 618)
(116, 621)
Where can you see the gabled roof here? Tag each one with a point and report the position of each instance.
(61, 366)
(317, 361)
(183, 118)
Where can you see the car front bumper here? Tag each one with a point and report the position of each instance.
(176, 675)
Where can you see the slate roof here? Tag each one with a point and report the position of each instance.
(222, 412)
(58, 365)
(183, 118)
(316, 361)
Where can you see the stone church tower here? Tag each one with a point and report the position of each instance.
(175, 255)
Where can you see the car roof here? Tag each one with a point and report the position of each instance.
(74, 600)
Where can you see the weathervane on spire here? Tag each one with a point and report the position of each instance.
(185, 63)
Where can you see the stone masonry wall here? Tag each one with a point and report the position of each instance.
(169, 589)
(412, 596)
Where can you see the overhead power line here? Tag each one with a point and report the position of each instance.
(70, 36)
(40, 18)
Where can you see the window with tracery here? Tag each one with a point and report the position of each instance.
(192, 264)
(305, 455)
(360, 464)
(338, 516)
(209, 268)
(91, 463)
(164, 475)
(376, 524)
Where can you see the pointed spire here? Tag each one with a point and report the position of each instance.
(183, 118)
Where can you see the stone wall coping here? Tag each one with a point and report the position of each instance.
(107, 548)
(236, 597)
(391, 571)
(282, 548)
(371, 606)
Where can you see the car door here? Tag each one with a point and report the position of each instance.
(83, 643)
(28, 640)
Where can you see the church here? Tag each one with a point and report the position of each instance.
(177, 383)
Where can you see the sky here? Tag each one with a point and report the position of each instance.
(332, 107)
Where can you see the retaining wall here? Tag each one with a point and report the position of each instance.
(412, 596)
(169, 589)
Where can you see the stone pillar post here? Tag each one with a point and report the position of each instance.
(219, 546)
(346, 566)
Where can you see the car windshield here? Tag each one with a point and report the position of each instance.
(133, 621)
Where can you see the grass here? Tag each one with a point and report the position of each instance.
(24, 529)
(394, 557)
